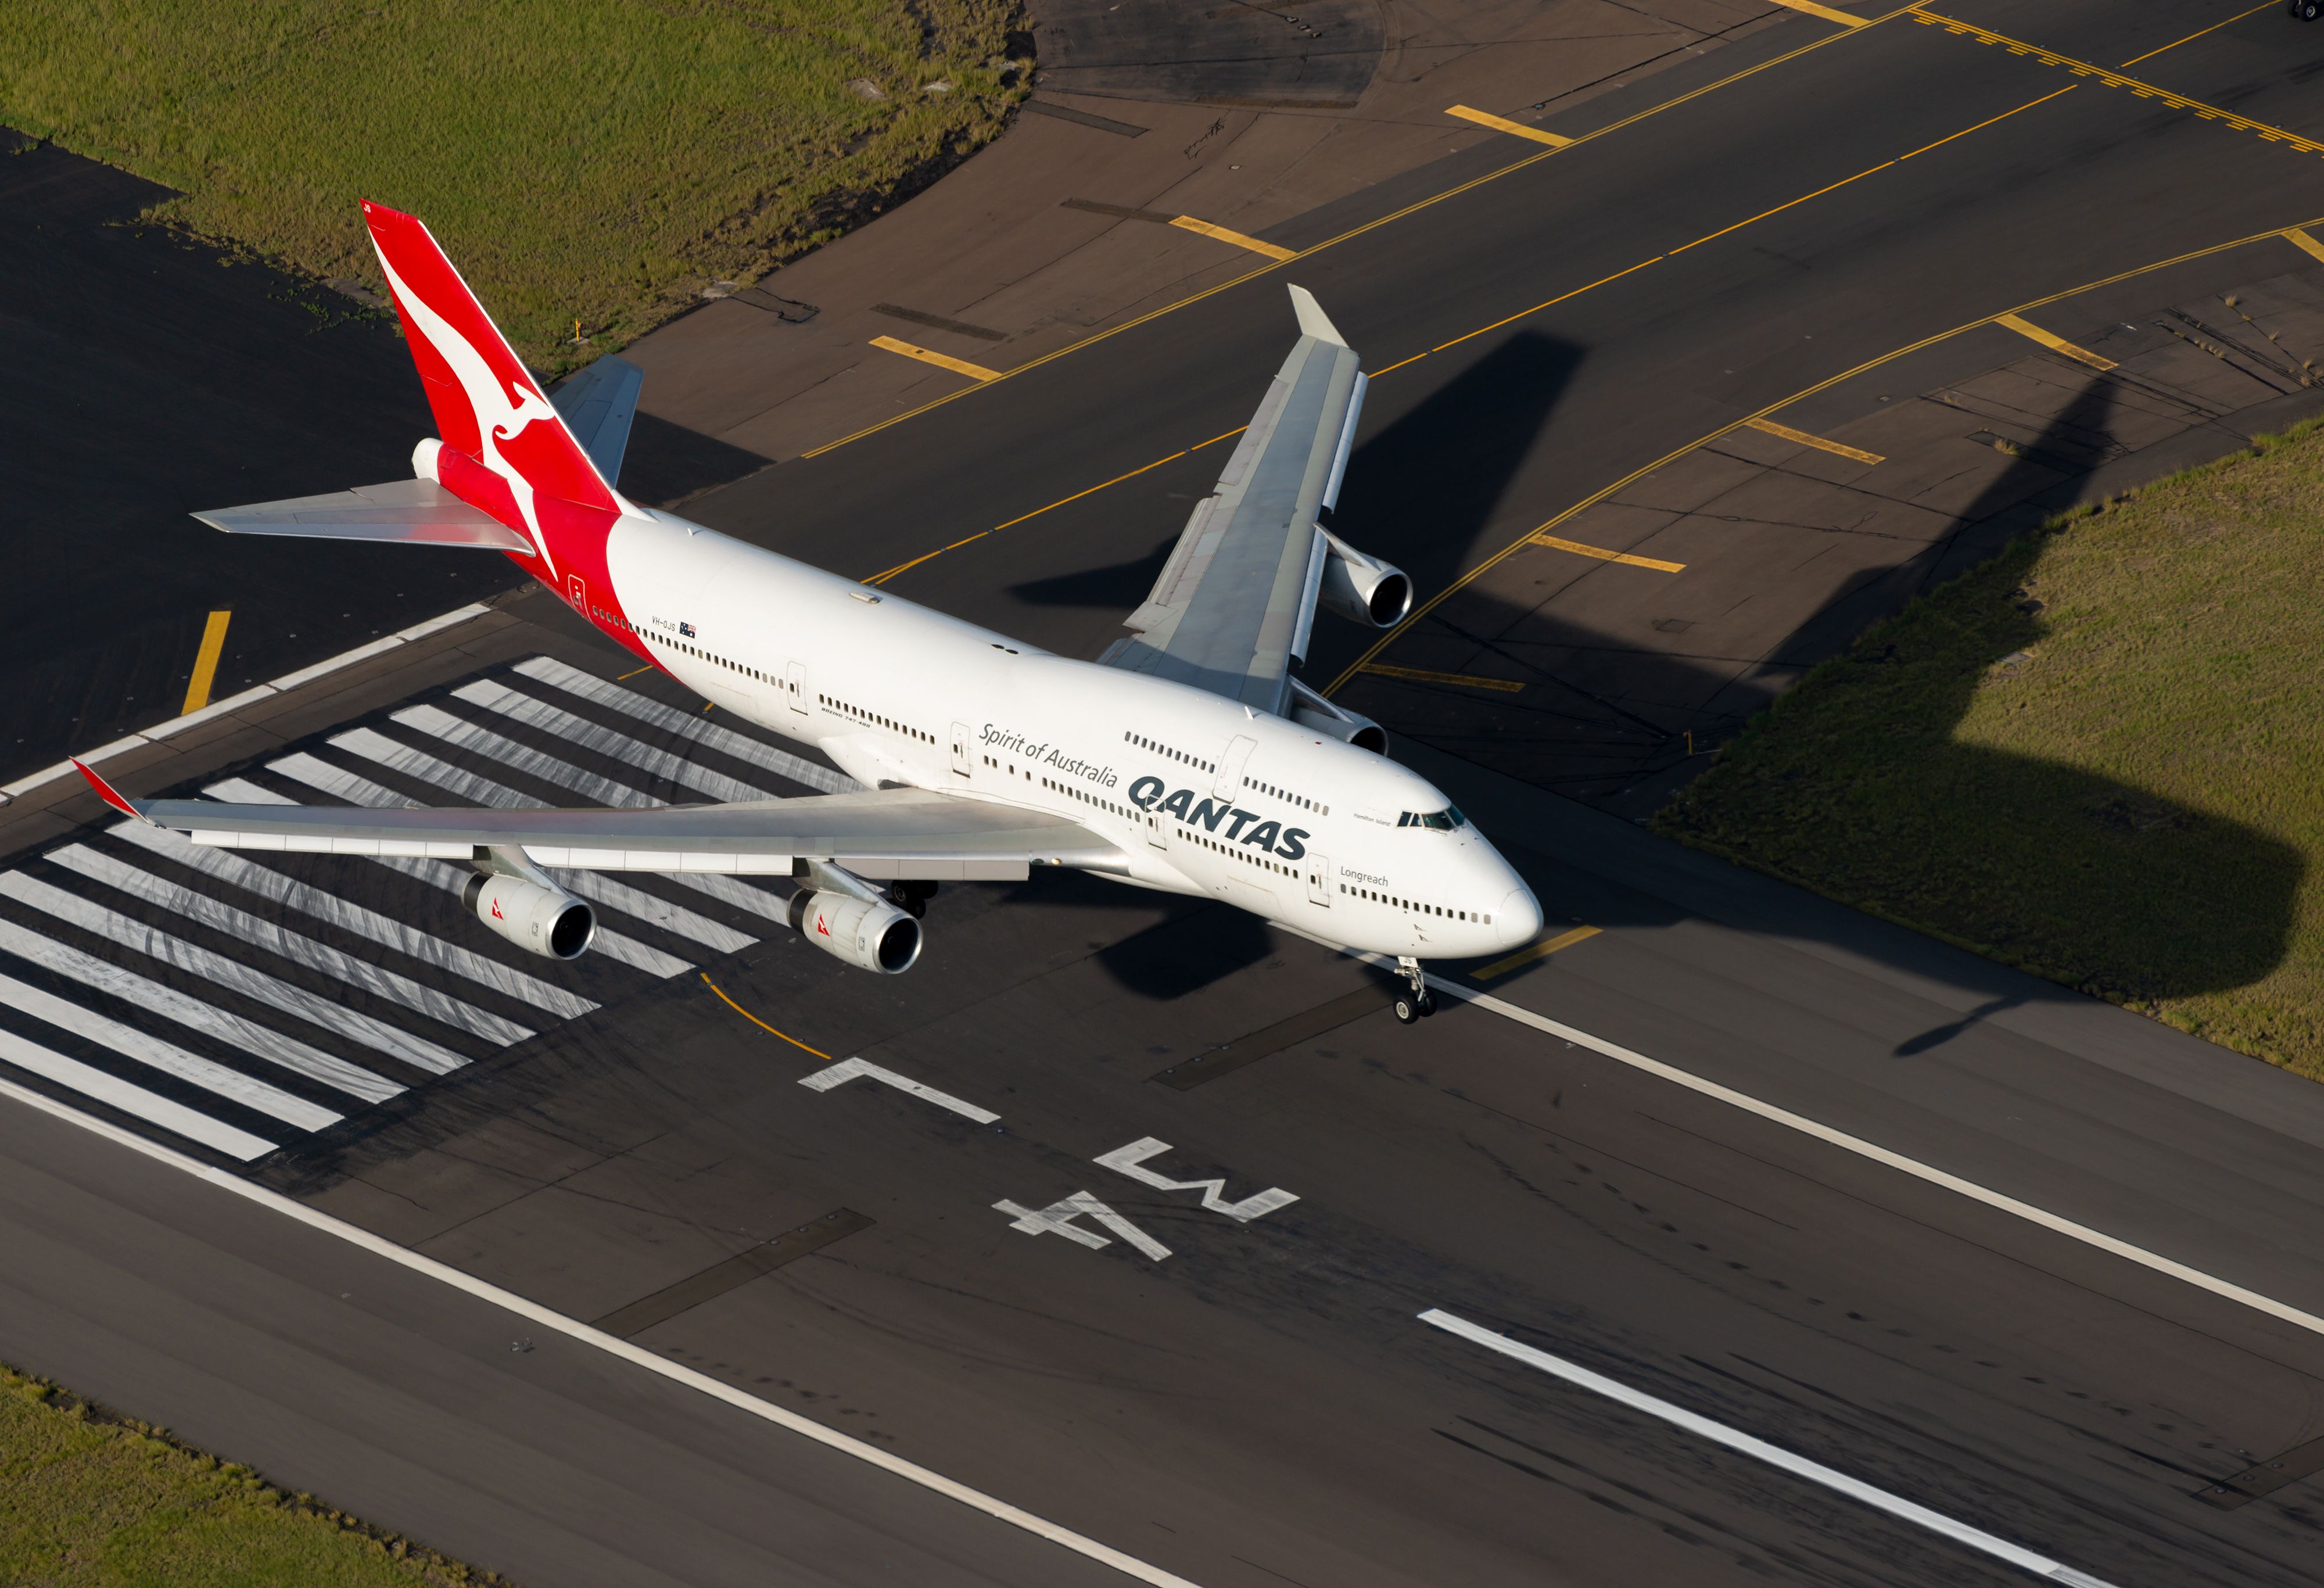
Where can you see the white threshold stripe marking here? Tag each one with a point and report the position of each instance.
(293, 948)
(1857, 1145)
(166, 1057)
(1896, 1160)
(848, 1069)
(277, 887)
(261, 1042)
(345, 785)
(149, 1106)
(520, 708)
(651, 908)
(589, 686)
(2040, 1566)
(509, 1301)
(216, 968)
(288, 681)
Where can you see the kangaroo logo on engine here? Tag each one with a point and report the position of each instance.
(1197, 811)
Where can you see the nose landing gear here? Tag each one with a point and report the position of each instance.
(1417, 1005)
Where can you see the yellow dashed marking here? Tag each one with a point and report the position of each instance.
(975, 372)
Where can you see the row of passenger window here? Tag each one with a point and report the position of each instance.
(1254, 857)
(1281, 793)
(876, 720)
(1436, 909)
(1197, 762)
(1085, 797)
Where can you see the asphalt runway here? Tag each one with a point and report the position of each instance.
(1261, 1402)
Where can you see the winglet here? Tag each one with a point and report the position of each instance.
(108, 793)
(1313, 322)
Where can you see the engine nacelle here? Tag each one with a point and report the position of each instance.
(867, 933)
(1349, 727)
(1328, 717)
(537, 917)
(1363, 587)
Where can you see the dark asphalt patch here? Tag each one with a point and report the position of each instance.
(1275, 1038)
(718, 1279)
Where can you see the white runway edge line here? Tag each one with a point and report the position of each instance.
(1894, 1160)
(1001, 1511)
(1863, 1149)
(233, 703)
(2040, 1566)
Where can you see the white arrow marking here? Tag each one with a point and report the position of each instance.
(1126, 1160)
(849, 1069)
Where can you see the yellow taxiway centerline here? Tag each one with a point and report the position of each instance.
(2115, 79)
(1421, 675)
(1501, 124)
(1804, 440)
(1531, 952)
(205, 661)
(1801, 395)
(2054, 343)
(1353, 232)
(976, 371)
(1188, 223)
(2198, 32)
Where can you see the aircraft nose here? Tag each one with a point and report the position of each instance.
(1518, 919)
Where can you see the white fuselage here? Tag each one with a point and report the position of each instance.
(1202, 795)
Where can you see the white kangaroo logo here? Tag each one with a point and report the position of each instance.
(497, 419)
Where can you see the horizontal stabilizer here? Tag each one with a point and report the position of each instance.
(417, 512)
(597, 406)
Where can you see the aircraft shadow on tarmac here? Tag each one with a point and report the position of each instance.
(2198, 903)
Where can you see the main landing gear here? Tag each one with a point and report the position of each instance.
(911, 898)
(1417, 1003)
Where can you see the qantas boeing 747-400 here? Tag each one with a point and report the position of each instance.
(1187, 758)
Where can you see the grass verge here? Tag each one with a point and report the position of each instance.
(593, 160)
(2099, 757)
(89, 1499)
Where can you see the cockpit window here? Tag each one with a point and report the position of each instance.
(1446, 820)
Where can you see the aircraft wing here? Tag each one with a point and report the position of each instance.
(597, 406)
(890, 834)
(1235, 602)
(416, 511)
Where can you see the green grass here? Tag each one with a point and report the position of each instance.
(88, 1501)
(2122, 791)
(591, 160)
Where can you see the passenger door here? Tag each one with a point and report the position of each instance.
(1319, 881)
(960, 762)
(794, 686)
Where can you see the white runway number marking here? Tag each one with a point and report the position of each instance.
(1855, 1489)
(1058, 1219)
(1129, 1160)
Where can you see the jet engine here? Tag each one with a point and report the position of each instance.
(1363, 587)
(1317, 714)
(536, 915)
(870, 934)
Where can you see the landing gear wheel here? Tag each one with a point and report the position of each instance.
(1407, 1008)
(911, 898)
(2305, 10)
(1416, 1003)
(1427, 1002)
